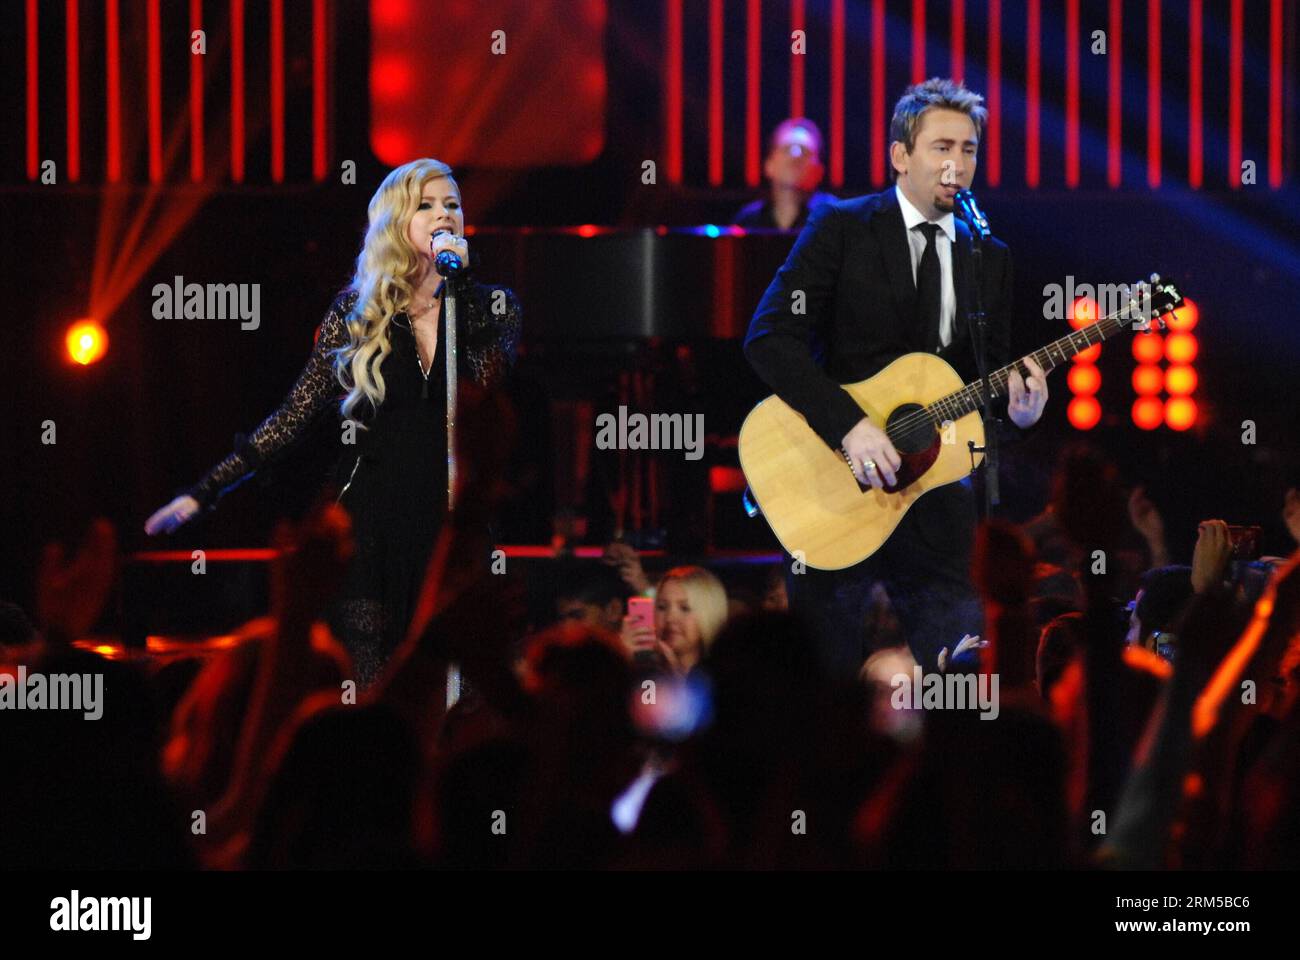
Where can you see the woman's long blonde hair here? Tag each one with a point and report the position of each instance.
(383, 281)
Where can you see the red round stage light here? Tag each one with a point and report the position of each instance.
(1148, 412)
(1184, 318)
(1180, 380)
(1148, 348)
(1148, 380)
(1091, 355)
(390, 13)
(1180, 413)
(1084, 413)
(1181, 347)
(391, 78)
(1083, 379)
(1083, 312)
(86, 342)
(587, 230)
(391, 144)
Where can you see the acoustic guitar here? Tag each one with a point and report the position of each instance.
(807, 491)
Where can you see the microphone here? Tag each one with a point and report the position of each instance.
(970, 211)
(446, 263)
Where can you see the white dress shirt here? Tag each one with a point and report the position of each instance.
(945, 238)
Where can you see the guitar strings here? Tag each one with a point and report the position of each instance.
(952, 403)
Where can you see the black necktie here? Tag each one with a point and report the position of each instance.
(928, 297)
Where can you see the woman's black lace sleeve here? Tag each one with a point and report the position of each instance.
(496, 324)
(315, 389)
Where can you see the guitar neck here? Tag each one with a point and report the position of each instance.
(966, 400)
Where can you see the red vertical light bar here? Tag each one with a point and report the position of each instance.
(958, 41)
(1275, 94)
(1195, 155)
(918, 41)
(878, 92)
(1032, 29)
(715, 92)
(1115, 49)
(196, 97)
(1072, 93)
(673, 91)
(237, 90)
(74, 92)
(1153, 93)
(277, 90)
(753, 77)
(318, 56)
(112, 37)
(33, 97)
(995, 93)
(155, 93)
(796, 61)
(1234, 97)
(837, 93)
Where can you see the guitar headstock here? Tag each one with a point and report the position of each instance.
(1151, 300)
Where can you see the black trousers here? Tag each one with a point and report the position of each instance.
(924, 568)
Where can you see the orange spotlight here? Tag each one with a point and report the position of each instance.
(86, 341)
(1180, 413)
(1184, 318)
(1083, 379)
(1088, 356)
(1181, 347)
(1083, 413)
(1148, 412)
(1147, 380)
(1083, 312)
(1148, 348)
(1180, 380)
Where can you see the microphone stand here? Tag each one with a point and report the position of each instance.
(977, 321)
(448, 266)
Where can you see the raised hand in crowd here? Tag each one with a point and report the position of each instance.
(1146, 520)
(298, 658)
(1211, 555)
(1291, 513)
(624, 558)
(965, 644)
(70, 594)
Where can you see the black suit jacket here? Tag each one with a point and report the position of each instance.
(853, 265)
(855, 270)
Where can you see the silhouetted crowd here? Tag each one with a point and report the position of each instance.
(1147, 714)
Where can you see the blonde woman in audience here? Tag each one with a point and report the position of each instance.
(690, 609)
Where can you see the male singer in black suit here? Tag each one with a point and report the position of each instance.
(881, 276)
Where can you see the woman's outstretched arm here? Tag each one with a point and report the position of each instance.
(314, 389)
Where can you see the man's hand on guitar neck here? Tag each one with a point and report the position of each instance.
(871, 454)
(1028, 395)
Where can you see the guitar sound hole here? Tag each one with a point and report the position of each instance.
(916, 434)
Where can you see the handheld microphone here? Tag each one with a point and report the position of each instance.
(970, 211)
(446, 263)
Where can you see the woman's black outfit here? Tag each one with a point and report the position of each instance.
(393, 478)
